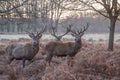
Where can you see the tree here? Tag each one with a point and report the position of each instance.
(31, 11)
(9, 10)
(53, 10)
(109, 9)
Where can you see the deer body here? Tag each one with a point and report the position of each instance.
(59, 48)
(10, 48)
(22, 52)
(63, 49)
(25, 52)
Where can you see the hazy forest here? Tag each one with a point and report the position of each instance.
(19, 16)
(59, 39)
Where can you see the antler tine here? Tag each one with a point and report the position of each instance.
(43, 29)
(58, 38)
(85, 28)
(53, 32)
(29, 32)
(72, 31)
(79, 31)
(37, 32)
(68, 29)
(70, 26)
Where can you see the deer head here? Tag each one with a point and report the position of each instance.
(36, 37)
(59, 37)
(79, 33)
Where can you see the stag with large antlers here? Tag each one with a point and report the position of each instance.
(65, 49)
(27, 51)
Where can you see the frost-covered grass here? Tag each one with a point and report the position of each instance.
(23, 38)
(48, 36)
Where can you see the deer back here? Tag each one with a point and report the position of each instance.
(59, 48)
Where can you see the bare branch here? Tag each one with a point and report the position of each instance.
(14, 7)
(94, 8)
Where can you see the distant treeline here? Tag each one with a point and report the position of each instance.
(97, 24)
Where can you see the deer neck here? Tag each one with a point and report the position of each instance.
(77, 46)
(35, 47)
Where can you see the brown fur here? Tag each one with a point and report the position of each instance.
(61, 49)
(27, 51)
(24, 52)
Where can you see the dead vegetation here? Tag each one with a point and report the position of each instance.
(93, 62)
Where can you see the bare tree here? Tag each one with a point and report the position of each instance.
(9, 10)
(109, 9)
(56, 11)
(50, 11)
(28, 11)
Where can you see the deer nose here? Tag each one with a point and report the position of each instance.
(35, 42)
(76, 39)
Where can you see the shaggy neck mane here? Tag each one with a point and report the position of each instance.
(35, 48)
(77, 46)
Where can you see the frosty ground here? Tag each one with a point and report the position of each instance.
(92, 62)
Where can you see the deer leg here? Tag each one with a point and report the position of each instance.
(70, 61)
(31, 60)
(49, 58)
(23, 63)
(10, 59)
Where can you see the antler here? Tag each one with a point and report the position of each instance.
(30, 33)
(81, 31)
(60, 36)
(43, 29)
(53, 32)
(67, 31)
(85, 28)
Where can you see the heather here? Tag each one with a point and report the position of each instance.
(92, 62)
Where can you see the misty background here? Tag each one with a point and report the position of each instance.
(18, 16)
(98, 24)
(31, 15)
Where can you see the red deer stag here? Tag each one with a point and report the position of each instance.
(27, 51)
(65, 49)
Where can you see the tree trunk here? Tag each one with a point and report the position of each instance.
(111, 34)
